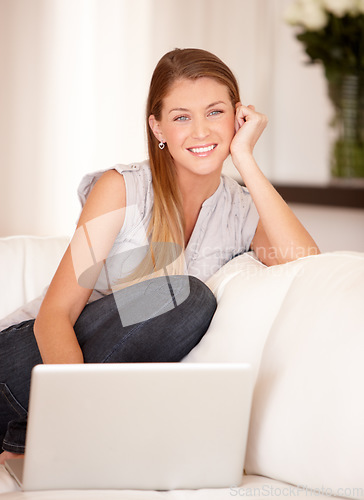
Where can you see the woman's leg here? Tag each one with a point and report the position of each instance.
(173, 322)
(19, 354)
(171, 318)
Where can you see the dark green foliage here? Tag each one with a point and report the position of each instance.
(339, 46)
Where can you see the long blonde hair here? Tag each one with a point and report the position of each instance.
(166, 228)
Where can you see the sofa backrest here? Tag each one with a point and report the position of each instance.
(27, 264)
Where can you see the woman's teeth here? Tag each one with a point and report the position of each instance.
(203, 150)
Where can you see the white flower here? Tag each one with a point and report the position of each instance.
(341, 7)
(292, 14)
(307, 13)
(360, 6)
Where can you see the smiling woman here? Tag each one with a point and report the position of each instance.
(198, 138)
(150, 234)
(179, 87)
(194, 109)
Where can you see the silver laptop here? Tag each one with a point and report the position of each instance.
(155, 426)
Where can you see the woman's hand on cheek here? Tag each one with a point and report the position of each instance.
(249, 125)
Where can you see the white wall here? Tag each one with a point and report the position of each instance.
(74, 79)
(71, 103)
(333, 228)
(301, 112)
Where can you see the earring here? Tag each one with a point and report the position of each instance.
(161, 145)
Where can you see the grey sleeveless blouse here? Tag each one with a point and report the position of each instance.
(225, 226)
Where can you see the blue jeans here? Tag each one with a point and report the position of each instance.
(178, 322)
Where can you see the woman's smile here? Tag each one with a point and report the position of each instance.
(202, 151)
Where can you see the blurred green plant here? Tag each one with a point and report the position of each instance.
(332, 33)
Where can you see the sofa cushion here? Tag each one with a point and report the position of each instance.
(308, 406)
(249, 296)
(27, 264)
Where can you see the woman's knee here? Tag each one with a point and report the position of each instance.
(170, 336)
(204, 297)
(160, 320)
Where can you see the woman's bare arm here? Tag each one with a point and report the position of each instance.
(100, 221)
(280, 237)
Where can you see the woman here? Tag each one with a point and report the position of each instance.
(146, 218)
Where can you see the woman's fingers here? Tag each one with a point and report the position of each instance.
(249, 125)
(244, 114)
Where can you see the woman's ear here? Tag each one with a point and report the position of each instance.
(155, 126)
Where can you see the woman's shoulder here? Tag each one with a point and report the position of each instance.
(110, 185)
(109, 177)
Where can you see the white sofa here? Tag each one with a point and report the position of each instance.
(301, 326)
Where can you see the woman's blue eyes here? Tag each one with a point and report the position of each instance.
(184, 118)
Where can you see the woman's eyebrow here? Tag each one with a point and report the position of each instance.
(178, 109)
(207, 107)
(215, 104)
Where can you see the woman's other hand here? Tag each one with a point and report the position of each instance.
(6, 455)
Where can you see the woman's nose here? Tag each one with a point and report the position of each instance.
(200, 128)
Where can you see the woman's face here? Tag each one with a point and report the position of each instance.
(198, 125)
